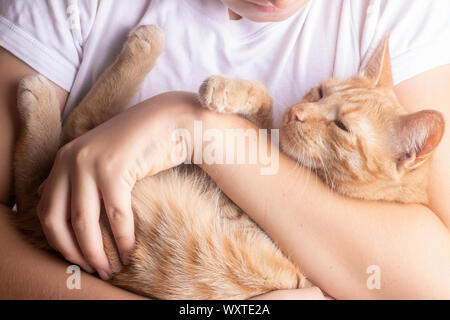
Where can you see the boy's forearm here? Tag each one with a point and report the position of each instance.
(30, 273)
(335, 240)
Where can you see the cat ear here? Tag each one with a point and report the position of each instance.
(379, 67)
(418, 135)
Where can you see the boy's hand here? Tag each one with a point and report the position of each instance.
(105, 163)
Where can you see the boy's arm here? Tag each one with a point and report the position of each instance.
(26, 272)
(336, 240)
(30, 273)
(431, 90)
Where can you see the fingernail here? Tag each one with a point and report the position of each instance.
(104, 275)
(88, 269)
(125, 258)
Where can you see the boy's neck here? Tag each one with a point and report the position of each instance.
(233, 15)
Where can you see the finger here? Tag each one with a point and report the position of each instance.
(53, 212)
(117, 200)
(85, 215)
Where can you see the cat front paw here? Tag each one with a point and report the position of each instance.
(35, 93)
(226, 95)
(145, 44)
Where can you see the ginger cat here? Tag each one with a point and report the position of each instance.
(192, 242)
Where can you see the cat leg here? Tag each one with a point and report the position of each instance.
(36, 147)
(116, 87)
(40, 135)
(250, 99)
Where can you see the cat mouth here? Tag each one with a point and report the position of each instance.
(295, 143)
(292, 143)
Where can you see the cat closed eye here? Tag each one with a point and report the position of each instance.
(321, 93)
(340, 125)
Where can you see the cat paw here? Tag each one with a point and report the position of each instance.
(145, 44)
(226, 95)
(35, 93)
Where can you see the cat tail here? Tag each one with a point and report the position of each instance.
(36, 148)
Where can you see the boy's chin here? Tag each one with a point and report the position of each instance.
(268, 18)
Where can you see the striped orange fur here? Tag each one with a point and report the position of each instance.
(359, 139)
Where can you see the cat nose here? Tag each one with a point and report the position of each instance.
(297, 114)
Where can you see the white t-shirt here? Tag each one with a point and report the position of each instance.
(72, 41)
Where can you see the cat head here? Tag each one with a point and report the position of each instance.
(358, 138)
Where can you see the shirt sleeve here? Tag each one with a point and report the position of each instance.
(419, 34)
(48, 35)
